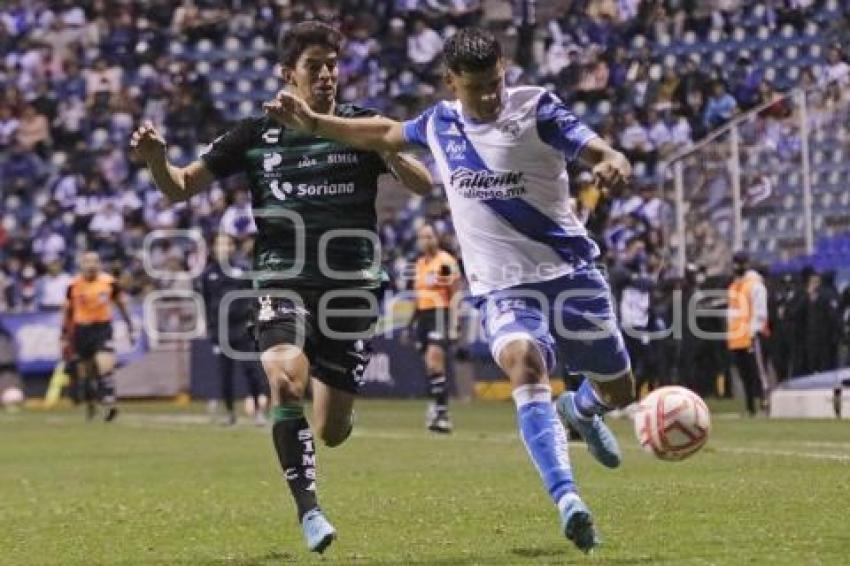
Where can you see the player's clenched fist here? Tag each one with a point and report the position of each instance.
(291, 111)
(146, 143)
(613, 170)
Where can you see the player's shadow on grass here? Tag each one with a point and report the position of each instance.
(562, 551)
(538, 552)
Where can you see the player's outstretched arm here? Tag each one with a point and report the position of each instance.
(177, 183)
(374, 133)
(410, 172)
(610, 167)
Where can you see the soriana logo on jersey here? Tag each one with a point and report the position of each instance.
(282, 191)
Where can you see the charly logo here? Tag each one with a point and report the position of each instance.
(271, 160)
(487, 184)
(456, 149)
(271, 136)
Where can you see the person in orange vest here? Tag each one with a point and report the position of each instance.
(87, 326)
(437, 280)
(747, 322)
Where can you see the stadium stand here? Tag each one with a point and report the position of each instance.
(652, 77)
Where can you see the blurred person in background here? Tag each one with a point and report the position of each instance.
(747, 323)
(222, 276)
(53, 286)
(822, 323)
(87, 326)
(437, 280)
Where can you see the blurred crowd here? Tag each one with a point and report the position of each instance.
(76, 76)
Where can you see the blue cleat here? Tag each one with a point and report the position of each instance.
(577, 522)
(601, 442)
(317, 530)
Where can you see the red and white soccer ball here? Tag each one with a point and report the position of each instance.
(672, 422)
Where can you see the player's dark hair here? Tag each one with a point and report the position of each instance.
(304, 35)
(471, 50)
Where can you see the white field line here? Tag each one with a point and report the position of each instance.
(181, 422)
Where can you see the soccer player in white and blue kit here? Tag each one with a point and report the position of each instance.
(502, 155)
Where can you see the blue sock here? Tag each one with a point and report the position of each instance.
(544, 438)
(587, 401)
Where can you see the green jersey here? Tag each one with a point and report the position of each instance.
(313, 201)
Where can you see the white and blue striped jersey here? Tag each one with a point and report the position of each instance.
(508, 187)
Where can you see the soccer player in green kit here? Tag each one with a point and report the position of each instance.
(304, 189)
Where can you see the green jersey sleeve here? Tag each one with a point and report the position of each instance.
(226, 154)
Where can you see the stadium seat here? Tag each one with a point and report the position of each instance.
(767, 54)
(271, 84)
(718, 58)
(246, 108)
(231, 66)
(792, 73)
(176, 48)
(763, 33)
(792, 52)
(770, 74)
(638, 42)
(579, 108)
(690, 38)
(204, 46)
(244, 86)
(739, 35)
(232, 44)
(259, 43)
(260, 64)
(715, 36)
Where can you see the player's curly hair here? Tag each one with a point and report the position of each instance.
(304, 35)
(471, 50)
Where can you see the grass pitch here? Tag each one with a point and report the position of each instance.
(162, 486)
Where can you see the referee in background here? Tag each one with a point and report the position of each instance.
(437, 280)
(215, 283)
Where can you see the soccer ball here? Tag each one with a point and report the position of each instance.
(12, 398)
(672, 422)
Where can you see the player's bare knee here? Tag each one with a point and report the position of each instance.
(523, 363)
(283, 367)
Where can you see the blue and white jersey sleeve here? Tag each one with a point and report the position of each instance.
(415, 131)
(560, 128)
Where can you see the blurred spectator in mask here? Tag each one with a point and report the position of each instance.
(53, 286)
(8, 126)
(238, 221)
(746, 324)
(105, 230)
(424, 45)
(48, 245)
(26, 290)
(822, 323)
(781, 307)
(720, 107)
(633, 284)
